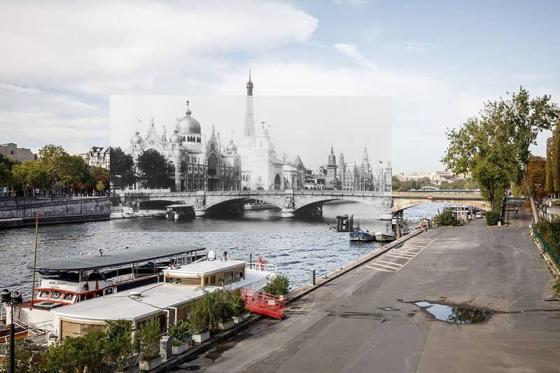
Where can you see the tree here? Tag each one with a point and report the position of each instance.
(553, 164)
(30, 174)
(526, 118)
(6, 165)
(153, 167)
(536, 171)
(494, 146)
(122, 173)
(396, 183)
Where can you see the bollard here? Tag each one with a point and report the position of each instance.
(250, 260)
(313, 277)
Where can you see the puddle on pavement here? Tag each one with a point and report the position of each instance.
(455, 314)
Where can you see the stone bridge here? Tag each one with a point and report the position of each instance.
(289, 201)
(404, 200)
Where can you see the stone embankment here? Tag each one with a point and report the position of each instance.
(23, 212)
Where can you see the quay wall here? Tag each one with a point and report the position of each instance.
(56, 211)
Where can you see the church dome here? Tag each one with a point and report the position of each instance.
(136, 139)
(188, 125)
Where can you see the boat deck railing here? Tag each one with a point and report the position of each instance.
(266, 267)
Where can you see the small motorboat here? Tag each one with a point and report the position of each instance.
(359, 235)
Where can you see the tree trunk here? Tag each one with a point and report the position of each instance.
(531, 199)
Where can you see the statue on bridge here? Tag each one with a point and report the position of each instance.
(289, 203)
(200, 202)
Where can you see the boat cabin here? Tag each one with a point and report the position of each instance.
(168, 301)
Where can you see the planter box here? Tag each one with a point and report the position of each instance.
(148, 365)
(239, 319)
(226, 325)
(202, 337)
(177, 350)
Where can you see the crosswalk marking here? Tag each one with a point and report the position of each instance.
(379, 269)
(393, 264)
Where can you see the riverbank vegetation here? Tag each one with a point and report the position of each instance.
(53, 173)
(446, 218)
(493, 147)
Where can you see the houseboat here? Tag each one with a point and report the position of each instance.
(167, 301)
(80, 279)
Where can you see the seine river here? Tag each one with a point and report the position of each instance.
(294, 245)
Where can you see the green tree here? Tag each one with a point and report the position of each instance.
(30, 174)
(553, 170)
(122, 168)
(6, 165)
(396, 184)
(526, 117)
(153, 167)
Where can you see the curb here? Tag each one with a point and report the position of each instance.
(304, 290)
(296, 294)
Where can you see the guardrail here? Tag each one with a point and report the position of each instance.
(547, 247)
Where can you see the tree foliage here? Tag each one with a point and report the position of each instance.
(553, 162)
(494, 146)
(122, 168)
(153, 167)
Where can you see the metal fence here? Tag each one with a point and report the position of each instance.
(553, 252)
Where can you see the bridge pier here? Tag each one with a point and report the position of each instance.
(199, 213)
(288, 213)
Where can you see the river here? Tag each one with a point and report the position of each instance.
(294, 245)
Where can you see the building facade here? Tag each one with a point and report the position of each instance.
(193, 163)
(98, 156)
(342, 175)
(11, 151)
(196, 164)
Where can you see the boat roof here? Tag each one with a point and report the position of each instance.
(111, 259)
(154, 299)
(204, 268)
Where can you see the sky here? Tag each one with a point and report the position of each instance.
(298, 125)
(438, 61)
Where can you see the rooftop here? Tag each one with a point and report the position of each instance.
(112, 259)
(204, 268)
(153, 300)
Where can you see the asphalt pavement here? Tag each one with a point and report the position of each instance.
(365, 320)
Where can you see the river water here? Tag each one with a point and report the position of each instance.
(294, 245)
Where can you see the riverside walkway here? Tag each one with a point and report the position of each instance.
(362, 321)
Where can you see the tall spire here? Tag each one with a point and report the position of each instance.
(249, 130)
(249, 85)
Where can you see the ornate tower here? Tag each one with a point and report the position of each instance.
(249, 130)
(331, 180)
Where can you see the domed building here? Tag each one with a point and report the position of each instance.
(193, 164)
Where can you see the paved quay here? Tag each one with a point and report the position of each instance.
(362, 321)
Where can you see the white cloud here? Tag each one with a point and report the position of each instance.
(122, 47)
(350, 50)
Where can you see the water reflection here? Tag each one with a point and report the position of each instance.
(455, 314)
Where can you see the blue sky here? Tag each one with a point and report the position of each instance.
(437, 60)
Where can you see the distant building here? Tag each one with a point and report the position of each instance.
(98, 156)
(435, 177)
(342, 175)
(11, 151)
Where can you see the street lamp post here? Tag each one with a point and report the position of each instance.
(12, 299)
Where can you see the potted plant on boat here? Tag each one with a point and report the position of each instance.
(119, 348)
(200, 320)
(237, 304)
(181, 335)
(223, 309)
(278, 285)
(148, 344)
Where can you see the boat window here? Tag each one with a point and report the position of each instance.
(69, 297)
(212, 280)
(43, 294)
(56, 295)
(108, 291)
